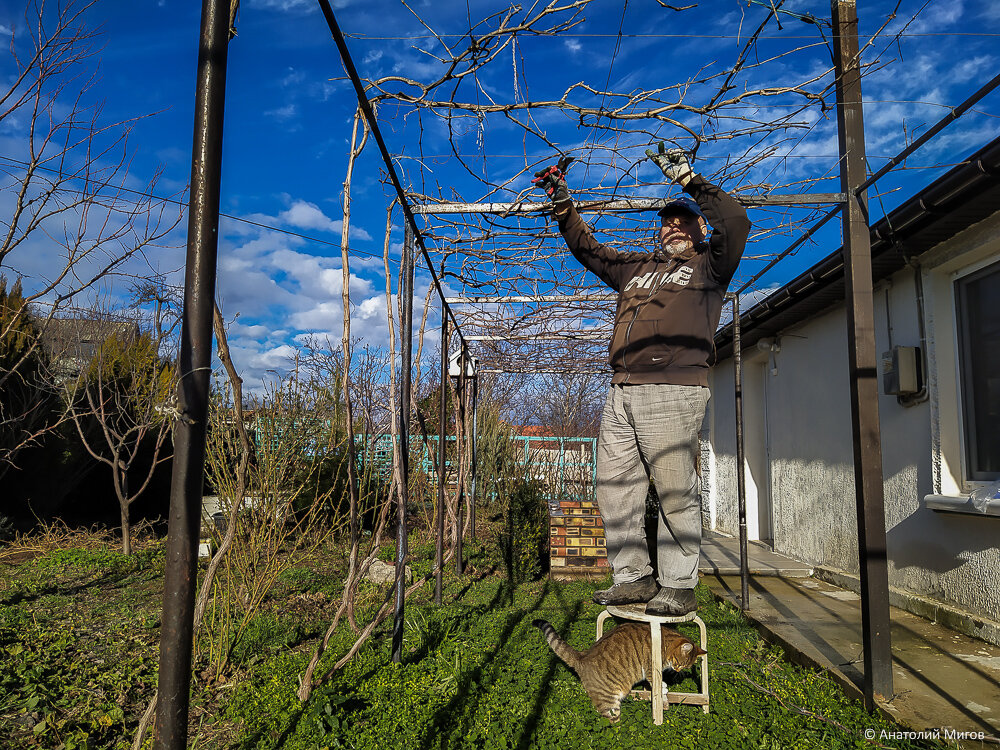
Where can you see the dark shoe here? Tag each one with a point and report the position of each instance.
(672, 602)
(634, 592)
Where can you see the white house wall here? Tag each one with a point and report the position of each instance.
(809, 431)
(944, 556)
(964, 548)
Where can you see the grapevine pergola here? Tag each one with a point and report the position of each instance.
(498, 274)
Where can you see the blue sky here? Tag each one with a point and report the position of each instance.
(288, 125)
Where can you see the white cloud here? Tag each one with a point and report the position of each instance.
(248, 331)
(418, 70)
(324, 317)
(990, 10)
(283, 295)
(936, 16)
(573, 45)
(283, 113)
(284, 5)
(293, 78)
(254, 365)
(371, 307)
(304, 215)
(246, 288)
(973, 68)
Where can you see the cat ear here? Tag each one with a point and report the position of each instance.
(686, 647)
(699, 652)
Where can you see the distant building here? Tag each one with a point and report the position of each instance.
(70, 343)
(936, 268)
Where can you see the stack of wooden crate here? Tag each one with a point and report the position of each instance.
(576, 541)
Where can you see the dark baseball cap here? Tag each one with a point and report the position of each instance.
(680, 205)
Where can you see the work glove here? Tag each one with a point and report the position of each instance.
(553, 180)
(673, 163)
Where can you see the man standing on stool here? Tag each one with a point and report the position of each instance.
(669, 305)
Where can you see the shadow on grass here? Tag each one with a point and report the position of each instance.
(570, 613)
(286, 731)
(436, 632)
(474, 684)
(115, 579)
(482, 576)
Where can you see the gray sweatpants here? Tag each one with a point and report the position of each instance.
(651, 431)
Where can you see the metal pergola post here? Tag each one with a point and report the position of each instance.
(460, 429)
(741, 481)
(406, 361)
(474, 448)
(862, 360)
(442, 423)
(562, 466)
(195, 368)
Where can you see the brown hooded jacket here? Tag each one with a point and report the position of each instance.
(668, 308)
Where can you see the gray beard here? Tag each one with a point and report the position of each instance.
(679, 247)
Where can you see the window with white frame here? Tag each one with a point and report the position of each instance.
(977, 298)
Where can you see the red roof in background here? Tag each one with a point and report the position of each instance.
(533, 430)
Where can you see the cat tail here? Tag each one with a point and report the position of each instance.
(562, 649)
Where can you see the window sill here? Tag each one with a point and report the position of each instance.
(960, 504)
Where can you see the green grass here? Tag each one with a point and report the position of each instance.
(78, 636)
(79, 631)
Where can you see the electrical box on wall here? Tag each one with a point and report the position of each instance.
(901, 371)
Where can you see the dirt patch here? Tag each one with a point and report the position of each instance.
(19, 557)
(305, 605)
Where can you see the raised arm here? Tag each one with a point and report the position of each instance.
(596, 257)
(728, 218)
(729, 222)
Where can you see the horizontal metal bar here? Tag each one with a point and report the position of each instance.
(531, 298)
(595, 336)
(529, 371)
(794, 199)
(622, 205)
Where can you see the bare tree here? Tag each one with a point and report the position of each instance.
(63, 192)
(569, 404)
(165, 303)
(120, 406)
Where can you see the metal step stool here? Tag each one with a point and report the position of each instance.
(660, 696)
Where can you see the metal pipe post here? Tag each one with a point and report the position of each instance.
(195, 368)
(442, 428)
(460, 429)
(475, 448)
(406, 357)
(562, 466)
(741, 480)
(862, 362)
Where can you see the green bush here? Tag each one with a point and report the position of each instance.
(521, 539)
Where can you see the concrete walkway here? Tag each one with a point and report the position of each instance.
(941, 679)
(721, 555)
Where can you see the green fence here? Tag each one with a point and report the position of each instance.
(565, 464)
